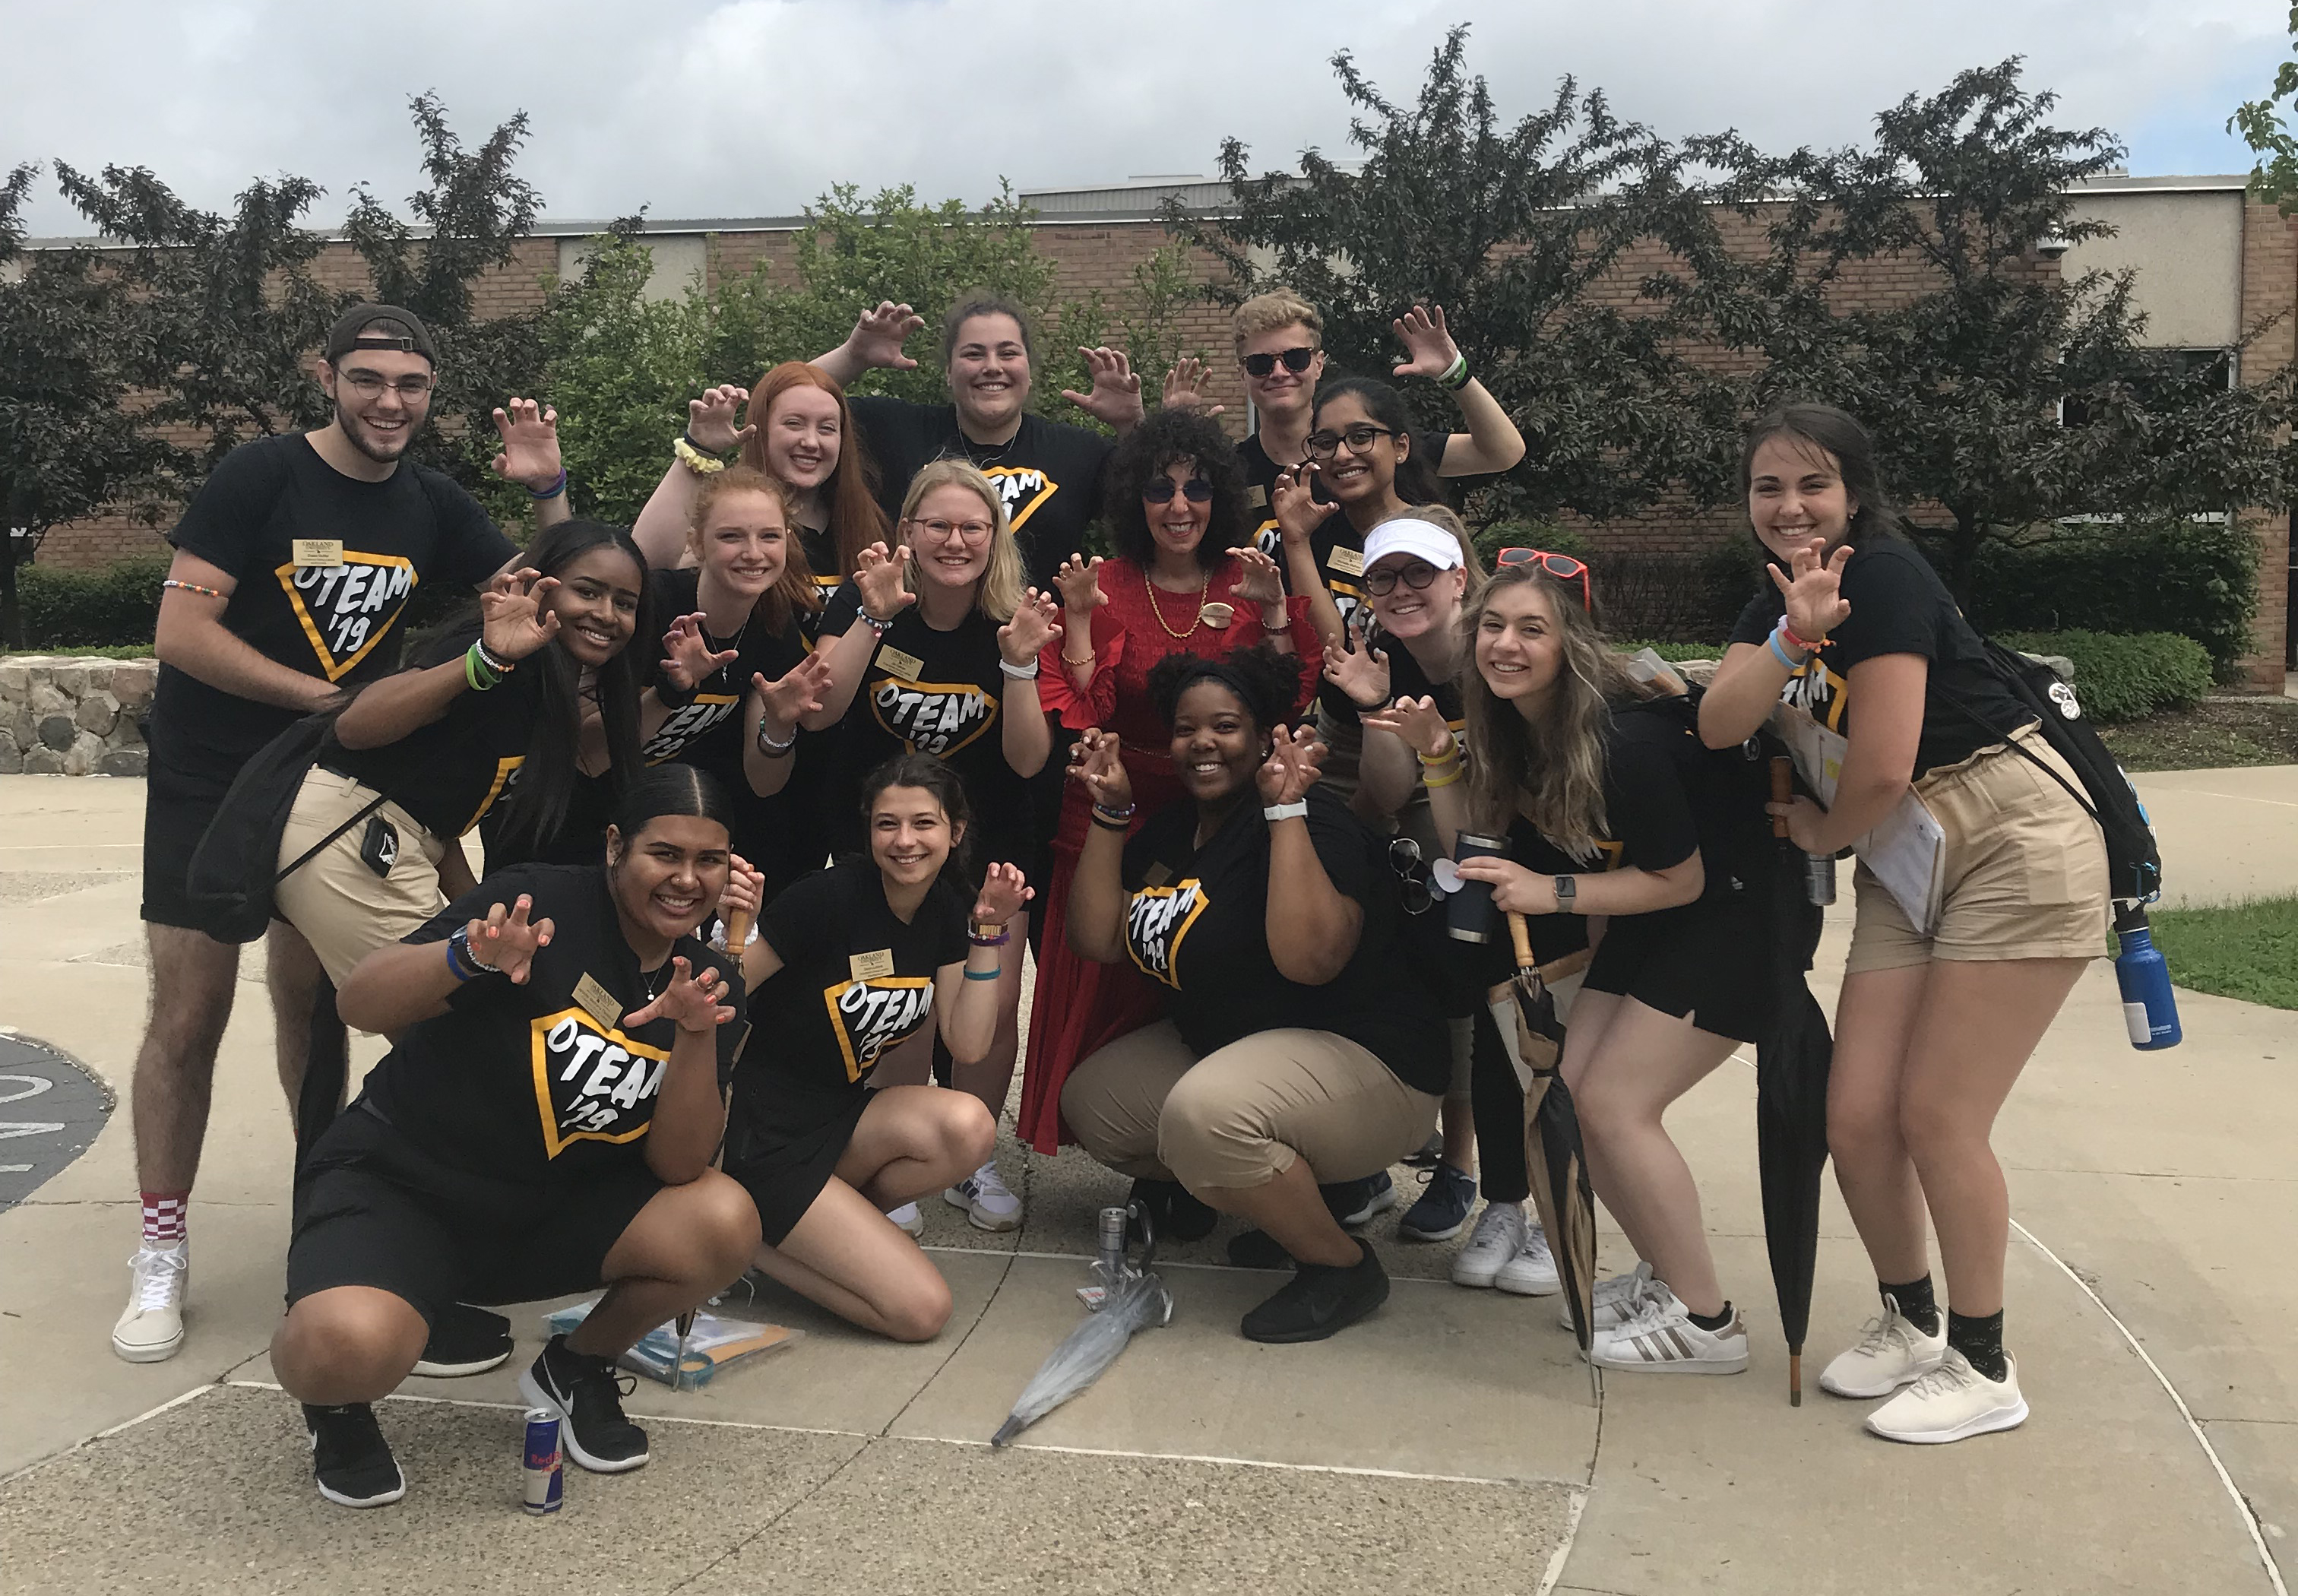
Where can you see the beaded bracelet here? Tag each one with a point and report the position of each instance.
(193, 587)
(769, 747)
(879, 627)
(999, 940)
(500, 667)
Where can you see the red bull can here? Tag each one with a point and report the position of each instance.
(545, 1466)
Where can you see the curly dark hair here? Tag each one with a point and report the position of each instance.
(1165, 437)
(1265, 683)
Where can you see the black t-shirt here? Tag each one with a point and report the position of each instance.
(367, 545)
(1197, 923)
(1667, 794)
(707, 732)
(449, 773)
(1049, 472)
(1898, 605)
(934, 692)
(855, 981)
(525, 1083)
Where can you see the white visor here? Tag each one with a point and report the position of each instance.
(1409, 535)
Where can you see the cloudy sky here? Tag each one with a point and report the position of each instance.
(751, 108)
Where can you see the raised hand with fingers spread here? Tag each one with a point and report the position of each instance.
(1184, 387)
(695, 1004)
(1078, 582)
(1037, 622)
(1815, 604)
(1295, 760)
(530, 444)
(1293, 502)
(1430, 351)
(1419, 723)
(688, 658)
(512, 622)
(881, 582)
(1004, 893)
(1097, 762)
(506, 941)
(795, 693)
(710, 419)
(879, 333)
(1115, 398)
(1260, 582)
(1361, 672)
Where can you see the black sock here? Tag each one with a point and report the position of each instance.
(1917, 1305)
(1711, 1322)
(1980, 1340)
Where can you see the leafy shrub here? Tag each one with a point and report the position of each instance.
(1673, 652)
(2195, 579)
(2122, 677)
(117, 606)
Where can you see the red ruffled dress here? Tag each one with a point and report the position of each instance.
(1080, 1005)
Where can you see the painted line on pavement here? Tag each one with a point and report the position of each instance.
(2241, 1503)
(1563, 1552)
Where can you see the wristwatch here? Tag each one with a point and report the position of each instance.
(1568, 888)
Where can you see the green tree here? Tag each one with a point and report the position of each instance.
(2275, 177)
(68, 444)
(1532, 236)
(2007, 394)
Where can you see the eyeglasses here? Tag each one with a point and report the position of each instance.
(1296, 362)
(1159, 490)
(1562, 566)
(371, 385)
(1381, 581)
(1323, 446)
(972, 532)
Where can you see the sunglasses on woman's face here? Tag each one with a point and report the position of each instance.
(1382, 579)
(1562, 566)
(1296, 362)
(1159, 490)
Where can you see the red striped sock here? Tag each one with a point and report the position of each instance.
(163, 1218)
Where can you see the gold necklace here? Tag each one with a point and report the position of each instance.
(1204, 582)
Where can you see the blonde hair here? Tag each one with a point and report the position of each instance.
(1000, 590)
(794, 592)
(1550, 770)
(1279, 308)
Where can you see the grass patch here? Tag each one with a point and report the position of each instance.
(2247, 950)
(2212, 735)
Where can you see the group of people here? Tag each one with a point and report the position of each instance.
(776, 786)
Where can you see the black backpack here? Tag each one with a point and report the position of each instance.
(2134, 863)
(235, 869)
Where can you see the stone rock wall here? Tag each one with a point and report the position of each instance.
(74, 717)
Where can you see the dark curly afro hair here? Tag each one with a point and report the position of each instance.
(1266, 683)
(1165, 437)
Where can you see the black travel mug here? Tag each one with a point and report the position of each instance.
(1468, 915)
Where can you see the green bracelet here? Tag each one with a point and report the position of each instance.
(985, 974)
(480, 675)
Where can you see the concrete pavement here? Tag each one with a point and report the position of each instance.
(1450, 1442)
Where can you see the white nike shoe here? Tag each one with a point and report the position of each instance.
(1891, 1353)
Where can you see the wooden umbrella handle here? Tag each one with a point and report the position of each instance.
(738, 933)
(1520, 934)
(1783, 789)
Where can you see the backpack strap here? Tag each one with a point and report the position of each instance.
(2011, 740)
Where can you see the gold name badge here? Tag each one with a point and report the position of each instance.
(1256, 497)
(1348, 562)
(597, 1002)
(1217, 616)
(872, 966)
(318, 551)
(1156, 875)
(906, 667)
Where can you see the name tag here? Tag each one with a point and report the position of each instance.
(1348, 562)
(908, 667)
(1156, 875)
(872, 966)
(1256, 497)
(318, 551)
(597, 1002)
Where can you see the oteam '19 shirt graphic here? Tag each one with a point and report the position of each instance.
(346, 608)
(1157, 920)
(592, 1083)
(870, 1016)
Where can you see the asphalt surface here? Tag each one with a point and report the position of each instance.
(50, 1112)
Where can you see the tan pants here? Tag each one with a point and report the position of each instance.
(1148, 1107)
(344, 910)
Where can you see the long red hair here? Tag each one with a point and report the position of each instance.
(855, 519)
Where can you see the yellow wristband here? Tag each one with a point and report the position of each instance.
(1431, 782)
(695, 460)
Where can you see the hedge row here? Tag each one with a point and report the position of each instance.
(2119, 678)
(118, 605)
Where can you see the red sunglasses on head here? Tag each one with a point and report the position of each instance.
(1562, 566)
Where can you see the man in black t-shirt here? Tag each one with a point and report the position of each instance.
(1049, 472)
(292, 565)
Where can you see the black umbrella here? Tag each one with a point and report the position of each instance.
(1553, 1155)
(1791, 1064)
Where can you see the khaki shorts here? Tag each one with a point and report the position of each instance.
(2025, 868)
(344, 910)
(1147, 1106)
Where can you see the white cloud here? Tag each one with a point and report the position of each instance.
(753, 107)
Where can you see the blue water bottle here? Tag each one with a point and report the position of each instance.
(2148, 1008)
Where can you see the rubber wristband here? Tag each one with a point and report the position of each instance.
(985, 974)
(1028, 673)
(455, 966)
(1780, 655)
(1298, 810)
(1794, 641)
(999, 940)
(1456, 375)
(479, 677)
(1430, 784)
(553, 491)
(1118, 826)
(675, 697)
(500, 667)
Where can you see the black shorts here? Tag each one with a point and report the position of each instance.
(1710, 960)
(784, 1168)
(177, 810)
(374, 1209)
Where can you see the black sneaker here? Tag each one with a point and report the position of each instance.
(465, 1340)
(1319, 1300)
(1258, 1250)
(1354, 1202)
(1443, 1211)
(587, 1393)
(350, 1457)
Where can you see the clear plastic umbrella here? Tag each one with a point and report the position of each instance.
(1131, 1298)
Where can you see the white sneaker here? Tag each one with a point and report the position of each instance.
(986, 1201)
(1616, 1299)
(1662, 1339)
(1532, 1272)
(908, 1218)
(152, 1327)
(1891, 1353)
(1499, 1234)
(1952, 1402)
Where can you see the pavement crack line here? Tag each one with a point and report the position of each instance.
(2241, 1503)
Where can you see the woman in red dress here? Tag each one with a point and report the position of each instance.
(1185, 578)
